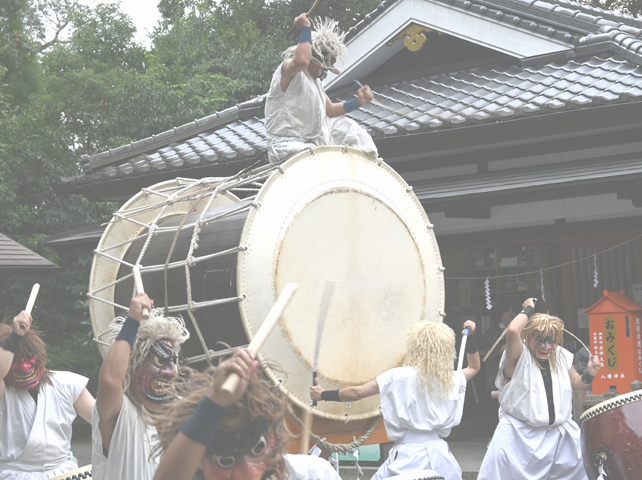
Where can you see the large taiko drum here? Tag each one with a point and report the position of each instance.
(78, 474)
(612, 438)
(332, 213)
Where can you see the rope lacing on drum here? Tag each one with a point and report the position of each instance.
(208, 188)
(340, 447)
(218, 187)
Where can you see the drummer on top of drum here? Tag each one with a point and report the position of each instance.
(298, 113)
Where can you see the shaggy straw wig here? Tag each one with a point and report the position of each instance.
(540, 325)
(30, 346)
(262, 402)
(326, 38)
(431, 350)
(150, 331)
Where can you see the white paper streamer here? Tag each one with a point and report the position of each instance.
(315, 450)
(541, 281)
(334, 461)
(355, 454)
(596, 281)
(489, 305)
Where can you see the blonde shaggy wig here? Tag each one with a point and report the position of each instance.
(326, 38)
(157, 327)
(262, 402)
(431, 351)
(540, 325)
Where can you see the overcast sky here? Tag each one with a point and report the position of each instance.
(144, 14)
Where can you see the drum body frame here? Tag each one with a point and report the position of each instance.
(612, 437)
(327, 181)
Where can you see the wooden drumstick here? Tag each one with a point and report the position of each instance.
(139, 288)
(494, 345)
(500, 338)
(232, 381)
(32, 298)
(464, 338)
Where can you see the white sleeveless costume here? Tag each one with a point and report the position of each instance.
(296, 119)
(131, 445)
(524, 444)
(35, 439)
(417, 423)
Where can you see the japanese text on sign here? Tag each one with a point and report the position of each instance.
(610, 343)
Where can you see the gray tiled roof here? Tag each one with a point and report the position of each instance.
(479, 95)
(605, 40)
(447, 100)
(521, 179)
(16, 258)
(571, 22)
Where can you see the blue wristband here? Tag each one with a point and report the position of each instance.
(202, 425)
(306, 35)
(129, 331)
(351, 105)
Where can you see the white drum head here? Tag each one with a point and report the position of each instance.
(104, 270)
(346, 217)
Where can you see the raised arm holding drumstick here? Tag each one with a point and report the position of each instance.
(298, 112)
(136, 378)
(234, 428)
(36, 446)
(536, 377)
(436, 392)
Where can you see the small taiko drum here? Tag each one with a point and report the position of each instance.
(78, 474)
(612, 438)
(331, 213)
(419, 475)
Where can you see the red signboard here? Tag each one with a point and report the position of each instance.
(616, 337)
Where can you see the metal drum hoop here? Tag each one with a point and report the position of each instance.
(302, 181)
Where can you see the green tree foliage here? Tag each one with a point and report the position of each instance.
(18, 65)
(95, 90)
(630, 7)
(73, 81)
(240, 39)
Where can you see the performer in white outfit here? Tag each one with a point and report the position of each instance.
(37, 407)
(536, 436)
(136, 377)
(210, 436)
(298, 113)
(421, 401)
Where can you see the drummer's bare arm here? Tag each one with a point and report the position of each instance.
(21, 325)
(579, 382)
(514, 344)
(109, 398)
(84, 405)
(348, 394)
(474, 364)
(364, 95)
(302, 55)
(183, 456)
